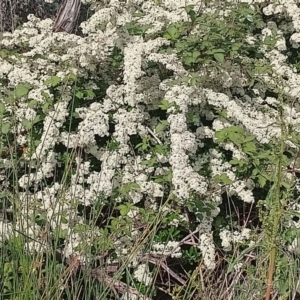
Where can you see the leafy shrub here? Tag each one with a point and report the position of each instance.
(156, 152)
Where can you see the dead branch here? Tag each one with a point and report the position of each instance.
(67, 16)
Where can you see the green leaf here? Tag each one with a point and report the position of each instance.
(196, 54)
(223, 178)
(69, 77)
(21, 91)
(4, 53)
(124, 209)
(249, 147)
(262, 180)
(236, 46)
(221, 135)
(263, 155)
(160, 149)
(5, 128)
(2, 108)
(27, 124)
(172, 33)
(269, 41)
(64, 220)
(189, 10)
(53, 81)
(79, 95)
(90, 94)
(45, 107)
(32, 103)
(60, 233)
(248, 139)
(37, 119)
(213, 51)
(172, 30)
(127, 187)
(235, 137)
(232, 53)
(165, 105)
(164, 178)
(234, 161)
(188, 60)
(219, 57)
(161, 126)
(144, 28)
(144, 146)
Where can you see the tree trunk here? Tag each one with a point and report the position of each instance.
(67, 16)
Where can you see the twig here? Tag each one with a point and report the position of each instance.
(153, 135)
(159, 262)
(115, 284)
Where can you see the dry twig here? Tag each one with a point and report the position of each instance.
(114, 284)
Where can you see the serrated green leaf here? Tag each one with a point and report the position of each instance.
(248, 139)
(172, 30)
(164, 105)
(223, 178)
(90, 94)
(249, 147)
(53, 81)
(160, 127)
(79, 95)
(221, 135)
(235, 137)
(124, 209)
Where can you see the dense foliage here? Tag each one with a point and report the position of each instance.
(155, 150)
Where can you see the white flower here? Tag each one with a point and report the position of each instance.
(170, 248)
(143, 274)
(130, 296)
(243, 190)
(207, 248)
(226, 238)
(229, 237)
